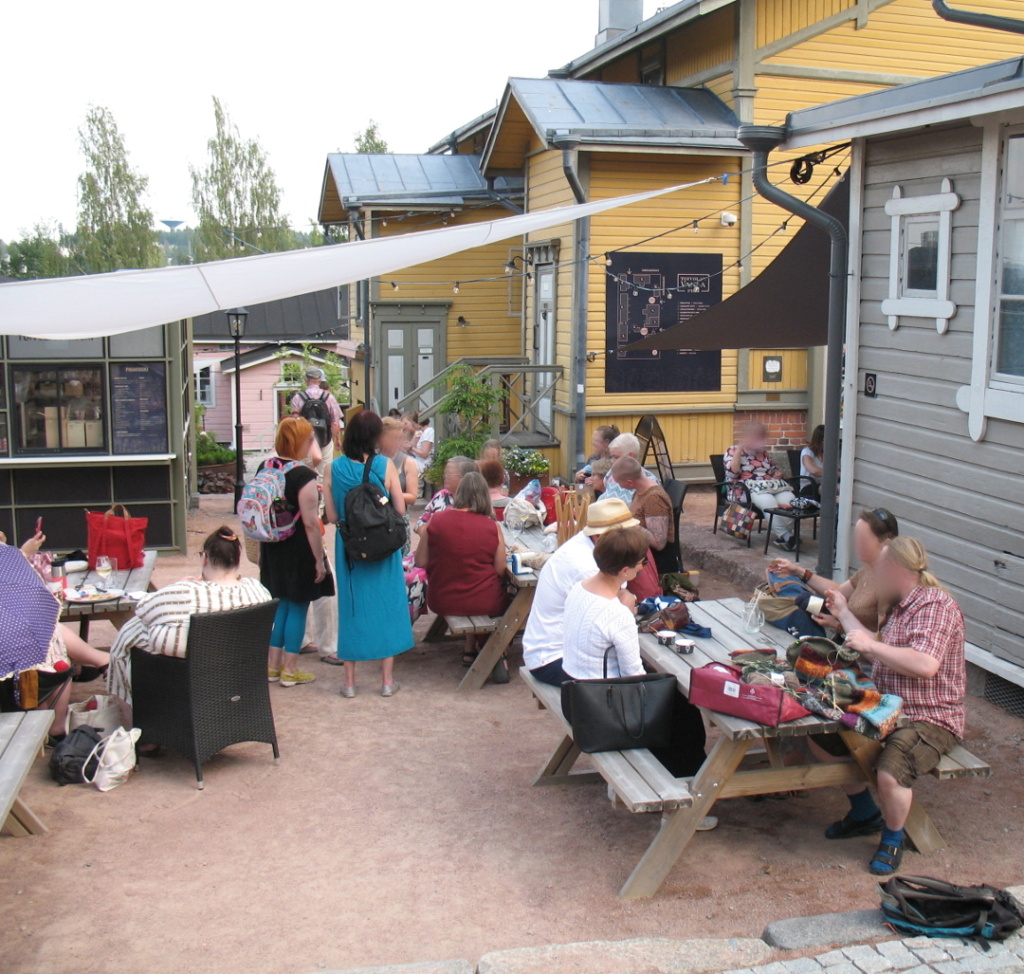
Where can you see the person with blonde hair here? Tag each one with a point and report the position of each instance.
(295, 570)
(918, 656)
(624, 445)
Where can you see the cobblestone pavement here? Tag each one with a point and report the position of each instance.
(919, 955)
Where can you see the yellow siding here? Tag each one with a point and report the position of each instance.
(722, 87)
(614, 175)
(701, 45)
(794, 369)
(780, 18)
(906, 37)
(691, 437)
(485, 305)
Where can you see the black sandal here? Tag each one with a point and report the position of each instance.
(886, 861)
(851, 828)
(468, 659)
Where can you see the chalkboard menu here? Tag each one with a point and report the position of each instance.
(138, 394)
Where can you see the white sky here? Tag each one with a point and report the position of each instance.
(303, 76)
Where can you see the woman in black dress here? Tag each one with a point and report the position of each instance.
(295, 570)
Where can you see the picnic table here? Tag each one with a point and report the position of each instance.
(504, 629)
(721, 775)
(118, 611)
(21, 738)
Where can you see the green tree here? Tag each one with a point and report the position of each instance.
(370, 141)
(236, 197)
(293, 372)
(115, 227)
(45, 252)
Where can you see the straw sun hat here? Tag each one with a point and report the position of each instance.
(602, 516)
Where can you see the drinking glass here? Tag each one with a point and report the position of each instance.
(104, 566)
(753, 618)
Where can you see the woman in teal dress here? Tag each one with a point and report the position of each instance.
(373, 611)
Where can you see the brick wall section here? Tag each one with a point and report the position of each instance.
(786, 428)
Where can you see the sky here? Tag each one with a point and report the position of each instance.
(303, 77)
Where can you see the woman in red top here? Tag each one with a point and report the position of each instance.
(463, 551)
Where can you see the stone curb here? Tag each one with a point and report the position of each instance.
(428, 967)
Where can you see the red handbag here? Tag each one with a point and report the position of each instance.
(719, 687)
(118, 536)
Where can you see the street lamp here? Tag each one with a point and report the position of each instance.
(236, 325)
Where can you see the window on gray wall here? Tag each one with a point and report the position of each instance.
(1010, 338)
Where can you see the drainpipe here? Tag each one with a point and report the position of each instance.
(580, 294)
(761, 139)
(973, 19)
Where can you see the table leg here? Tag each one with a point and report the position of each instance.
(558, 768)
(676, 832)
(23, 821)
(768, 536)
(920, 829)
(511, 622)
(436, 632)
(83, 628)
(774, 751)
(796, 531)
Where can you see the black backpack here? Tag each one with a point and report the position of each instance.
(925, 907)
(372, 528)
(67, 763)
(318, 414)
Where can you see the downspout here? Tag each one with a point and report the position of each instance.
(991, 21)
(363, 290)
(580, 294)
(761, 139)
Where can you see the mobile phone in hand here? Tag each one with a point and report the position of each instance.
(39, 525)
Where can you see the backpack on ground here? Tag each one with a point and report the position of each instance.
(925, 907)
(372, 528)
(75, 757)
(318, 414)
(262, 508)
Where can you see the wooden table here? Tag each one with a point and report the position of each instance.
(514, 619)
(21, 738)
(720, 775)
(117, 611)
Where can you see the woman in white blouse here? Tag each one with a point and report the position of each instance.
(161, 620)
(599, 619)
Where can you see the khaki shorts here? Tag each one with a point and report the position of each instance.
(907, 753)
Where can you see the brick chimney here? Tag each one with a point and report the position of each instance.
(616, 17)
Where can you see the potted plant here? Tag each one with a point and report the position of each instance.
(215, 466)
(524, 465)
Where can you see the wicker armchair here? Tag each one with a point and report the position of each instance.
(217, 695)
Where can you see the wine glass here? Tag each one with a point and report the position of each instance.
(104, 566)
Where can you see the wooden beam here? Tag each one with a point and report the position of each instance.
(837, 74)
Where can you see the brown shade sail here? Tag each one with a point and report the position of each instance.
(785, 306)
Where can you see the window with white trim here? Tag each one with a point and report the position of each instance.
(1008, 359)
(206, 394)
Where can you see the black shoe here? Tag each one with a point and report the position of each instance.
(786, 544)
(850, 828)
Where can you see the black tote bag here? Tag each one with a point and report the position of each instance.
(621, 713)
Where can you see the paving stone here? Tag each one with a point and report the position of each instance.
(745, 971)
(920, 969)
(953, 967)
(653, 955)
(775, 967)
(832, 958)
(958, 951)
(430, 967)
(854, 927)
(896, 954)
(802, 965)
(865, 954)
(876, 964)
(846, 967)
(932, 954)
(915, 942)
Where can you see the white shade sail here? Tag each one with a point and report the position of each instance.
(94, 305)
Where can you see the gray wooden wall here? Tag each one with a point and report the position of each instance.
(913, 453)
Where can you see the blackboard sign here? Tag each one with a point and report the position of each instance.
(647, 293)
(138, 395)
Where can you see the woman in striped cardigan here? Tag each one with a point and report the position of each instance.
(161, 619)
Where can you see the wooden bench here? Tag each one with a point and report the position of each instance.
(636, 778)
(21, 738)
(470, 625)
(960, 763)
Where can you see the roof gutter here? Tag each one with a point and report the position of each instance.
(580, 296)
(761, 139)
(973, 19)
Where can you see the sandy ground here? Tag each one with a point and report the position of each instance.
(406, 829)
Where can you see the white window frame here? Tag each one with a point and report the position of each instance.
(909, 302)
(991, 395)
(211, 403)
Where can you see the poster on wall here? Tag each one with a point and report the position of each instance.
(138, 395)
(647, 293)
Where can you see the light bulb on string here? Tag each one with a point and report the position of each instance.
(394, 285)
(696, 226)
(608, 260)
(784, 227)
(455, 289)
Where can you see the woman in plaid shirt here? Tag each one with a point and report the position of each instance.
(919, 656)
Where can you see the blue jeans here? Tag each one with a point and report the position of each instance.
(551, 673)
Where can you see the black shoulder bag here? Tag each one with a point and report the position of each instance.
(620, 713)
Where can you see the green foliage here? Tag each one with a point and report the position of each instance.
(46, 252)
(468, 399)
(525, 463)
(209, 452)
(464, 445)
(293, 372)
(370, 141)
(237, 197)
(115, 228)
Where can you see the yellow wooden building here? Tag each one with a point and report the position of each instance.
(654, 103)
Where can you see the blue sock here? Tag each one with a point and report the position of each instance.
(893, 837)
(862, 806)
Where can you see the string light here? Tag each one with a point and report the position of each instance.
(394, 285)
(455, 289)
(696, 226)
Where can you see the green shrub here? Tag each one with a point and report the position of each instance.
(209, 452)
(525, 463)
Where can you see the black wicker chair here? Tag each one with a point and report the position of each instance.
(217, 695)
(670, 558)
(723, 494)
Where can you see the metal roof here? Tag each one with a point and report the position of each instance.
(411, 180)
(945, 98)
(463, 132)
(597, 111)
(306, 316)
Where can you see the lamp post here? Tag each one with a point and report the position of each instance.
(236, 325)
